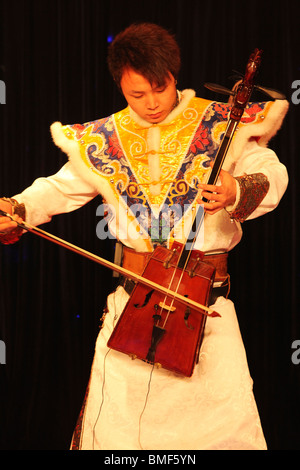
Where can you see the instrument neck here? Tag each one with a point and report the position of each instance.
(199, 216)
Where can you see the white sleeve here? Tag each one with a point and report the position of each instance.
(254, 161)
(63, 192)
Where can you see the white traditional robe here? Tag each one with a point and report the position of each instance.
(131, 405)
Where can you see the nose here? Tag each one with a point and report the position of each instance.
(152, 103)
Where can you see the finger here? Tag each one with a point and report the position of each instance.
(209, 187)
(6, 224)
(212, 196)
(212, 208)
(5, 220)
(18, 219)
(224, 178)
(6, 228)
(222, 174)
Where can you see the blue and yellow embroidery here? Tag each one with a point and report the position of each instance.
(116, 148)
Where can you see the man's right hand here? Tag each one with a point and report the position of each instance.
(6, 224)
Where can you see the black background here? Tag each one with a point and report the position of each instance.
(53, 63)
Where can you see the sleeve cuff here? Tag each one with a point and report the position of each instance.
(251, 190)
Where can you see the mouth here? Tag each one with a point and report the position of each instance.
(155, 116)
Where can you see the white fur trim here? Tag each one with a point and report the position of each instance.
(263, 131)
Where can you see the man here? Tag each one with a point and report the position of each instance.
(150, 163)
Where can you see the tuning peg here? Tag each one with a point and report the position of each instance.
(276, 95)
(218, 89)
(236, 75)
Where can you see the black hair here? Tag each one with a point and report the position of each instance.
(148, 49)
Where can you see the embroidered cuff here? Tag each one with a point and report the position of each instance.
(253, 189)
(15, 235)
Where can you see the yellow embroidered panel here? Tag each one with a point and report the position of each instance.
(168, 142)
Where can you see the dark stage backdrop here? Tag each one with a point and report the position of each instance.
(53, 64)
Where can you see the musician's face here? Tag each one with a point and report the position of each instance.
(151, 103)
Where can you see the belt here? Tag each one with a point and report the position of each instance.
(136, 262)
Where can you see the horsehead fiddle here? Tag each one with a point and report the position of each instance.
(165, 325)
(162, 331)
(159, 330)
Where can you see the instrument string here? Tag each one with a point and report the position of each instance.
(199, 225)
(212, 179)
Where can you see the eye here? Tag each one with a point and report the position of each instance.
(160, 90)
(137, 95)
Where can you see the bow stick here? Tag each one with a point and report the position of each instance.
(125, 272)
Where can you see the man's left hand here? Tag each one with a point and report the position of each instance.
(218, 196)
